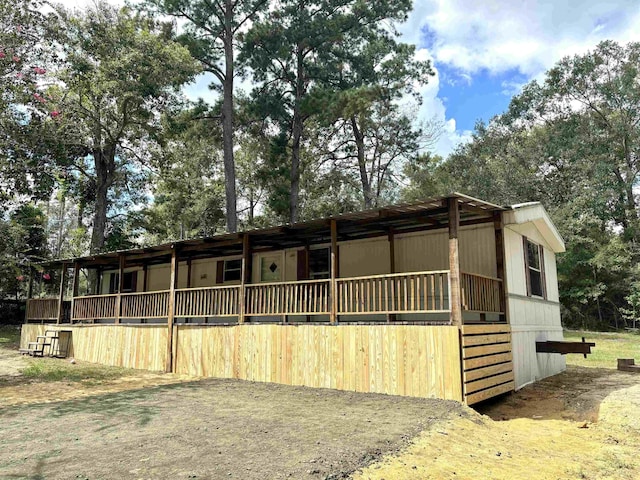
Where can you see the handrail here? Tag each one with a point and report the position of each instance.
(482, 276)
(290, 282)
(150, 292)
(213, 287)
(391, 275)
(102, 295)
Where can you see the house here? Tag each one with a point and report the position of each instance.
(442, 298)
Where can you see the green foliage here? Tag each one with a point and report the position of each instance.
(573, 143)
(188, 187)
(22, 240)
(24, 60)
(301, 54)
(424, 178)
(10, 336)
(120, 72)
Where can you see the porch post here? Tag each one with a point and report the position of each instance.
(392, 264)
(120, 284)
(333, 316)
(171, 310)
(145, 277)
(454, 262)
(63, 279)
(76, 278)
(76, 282)
(245, 278)
(499, 241)
(189, 272)
(98, 281)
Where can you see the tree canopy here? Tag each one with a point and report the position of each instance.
(313, 114)
(572, 142)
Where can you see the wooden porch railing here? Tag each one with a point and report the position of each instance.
(93, 307)
(144, 304)
(398, 293)
(207, 302)
(309, 297)
(42, 309)
(415, 292)
(480, 293)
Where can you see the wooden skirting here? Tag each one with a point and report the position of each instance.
(420, 361)
(131, 346)
(487, 361)
(409, 360)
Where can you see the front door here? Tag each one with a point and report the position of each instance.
(270, 270)
(271, 267)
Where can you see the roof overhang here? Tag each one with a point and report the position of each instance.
(429, 214)
(535, 213)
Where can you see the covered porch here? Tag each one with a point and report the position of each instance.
(400, 295)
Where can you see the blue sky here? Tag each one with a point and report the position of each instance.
(484, 51)
(479, 97)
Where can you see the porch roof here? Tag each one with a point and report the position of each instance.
(403, 218)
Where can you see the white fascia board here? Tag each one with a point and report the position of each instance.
(534, 212)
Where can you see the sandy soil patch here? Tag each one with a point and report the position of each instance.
(584, 423)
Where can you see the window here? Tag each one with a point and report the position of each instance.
(232, 270)
(271, 268)
(129, 282)
(534, 266)
(319, 264)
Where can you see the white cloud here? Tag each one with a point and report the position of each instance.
(470, 36)
(528, 36)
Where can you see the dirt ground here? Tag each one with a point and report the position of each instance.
(581, 424)
(584, 423)
(209, 429)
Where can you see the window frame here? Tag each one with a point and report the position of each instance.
(324, 275)
(114, 282)
(528, 268)
(225, 270)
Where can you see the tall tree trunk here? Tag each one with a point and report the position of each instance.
(104, 161)
(252, 207)
(227, 122)
(61, 224)
(362, 164)
(294, 197)
(296, 134)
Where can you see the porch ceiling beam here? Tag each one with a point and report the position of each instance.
(391, 217)
(469, 207)
(210, 244)
(150, 255)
